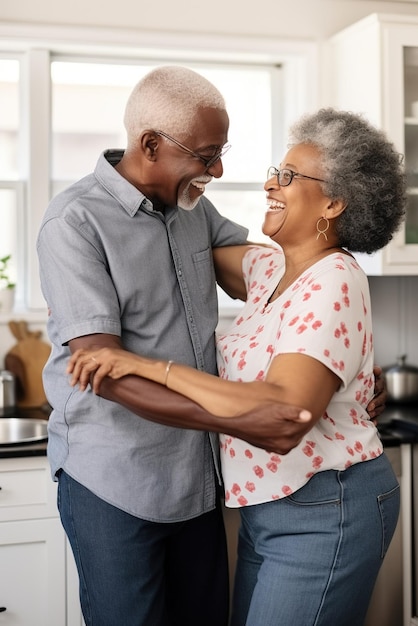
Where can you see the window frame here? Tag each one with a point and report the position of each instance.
(37, 46)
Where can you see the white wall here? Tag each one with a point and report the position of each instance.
(302, 19)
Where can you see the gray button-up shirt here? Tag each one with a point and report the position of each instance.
(110, 264)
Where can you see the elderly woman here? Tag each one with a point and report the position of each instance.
(317, 521)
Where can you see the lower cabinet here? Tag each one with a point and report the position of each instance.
(38, 582)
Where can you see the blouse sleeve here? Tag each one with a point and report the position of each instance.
(328, 317)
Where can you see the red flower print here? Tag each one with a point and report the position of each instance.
(348, 464)
(337, 333)
(232, 453)
(308, 317)
(240, 320)
(317, 325)
(275, 496)
(259, 330)
(316, 287)
(260, 375)
(359, 326)
(258, 471)
(250, 486)
(337, 306)
(311, 443)
(326, 353)
(276, 458)
(272, 467)
(286, 490)
(248, 454)
(344, 288)
(241, 364)
(339, 436)
(317, 462)
(227, 495)
(307, 451)
(287, 304)
(358, 447)
(235, 489)
(294, 321)
(253, 344)
(343, 328)
(270, 349)
(353, 413)
(301, 329)
(346, 302)
(242, 501)
(350, 450)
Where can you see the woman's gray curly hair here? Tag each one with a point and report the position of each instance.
(363, 169)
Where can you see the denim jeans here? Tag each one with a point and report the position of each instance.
(138, 573)
(312, 559)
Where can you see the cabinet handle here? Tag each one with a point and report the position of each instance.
(2, 609)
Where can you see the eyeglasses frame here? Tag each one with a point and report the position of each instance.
(207, 162)
(293, 174)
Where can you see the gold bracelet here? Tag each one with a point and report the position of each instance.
(167, 371)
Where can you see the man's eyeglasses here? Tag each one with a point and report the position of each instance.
(285, 176)
(208, 161)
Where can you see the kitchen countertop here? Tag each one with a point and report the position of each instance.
(398, 424)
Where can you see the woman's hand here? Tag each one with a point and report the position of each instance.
(91, 366)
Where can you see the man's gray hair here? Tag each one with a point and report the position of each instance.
(168, 99)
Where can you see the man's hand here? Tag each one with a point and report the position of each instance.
(377, 405)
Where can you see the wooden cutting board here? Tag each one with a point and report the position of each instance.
(26, 361)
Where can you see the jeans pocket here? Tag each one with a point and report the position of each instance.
(389, 505)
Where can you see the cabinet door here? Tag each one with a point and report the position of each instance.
(372, 68)
(32, 573)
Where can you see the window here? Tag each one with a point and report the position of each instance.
(10, 188)
(60, 109)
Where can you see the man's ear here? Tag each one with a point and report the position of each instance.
(335, 208)
(149, 142)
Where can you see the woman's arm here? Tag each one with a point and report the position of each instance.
(294, 379)
(228, 270)
(275, 427)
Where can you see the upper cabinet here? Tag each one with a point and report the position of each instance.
(372, 67)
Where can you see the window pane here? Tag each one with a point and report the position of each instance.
(245, 207)
(247, 94)
(8, 230)
(9, 118)
(88, 103)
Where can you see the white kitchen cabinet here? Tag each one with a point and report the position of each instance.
(371, 67)
(37, 582)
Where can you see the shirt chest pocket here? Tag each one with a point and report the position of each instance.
(205, 280)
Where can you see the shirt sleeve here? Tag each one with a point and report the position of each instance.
(70, 263)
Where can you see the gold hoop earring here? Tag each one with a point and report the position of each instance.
(322, 231)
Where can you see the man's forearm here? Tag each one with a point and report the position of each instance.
(273, 427)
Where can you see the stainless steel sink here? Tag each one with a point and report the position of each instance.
(18, 431)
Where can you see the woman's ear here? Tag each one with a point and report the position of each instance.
(335, 208)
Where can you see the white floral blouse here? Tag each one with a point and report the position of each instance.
(326, 315)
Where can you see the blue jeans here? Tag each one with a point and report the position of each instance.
(138, 573)
(312, 559)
